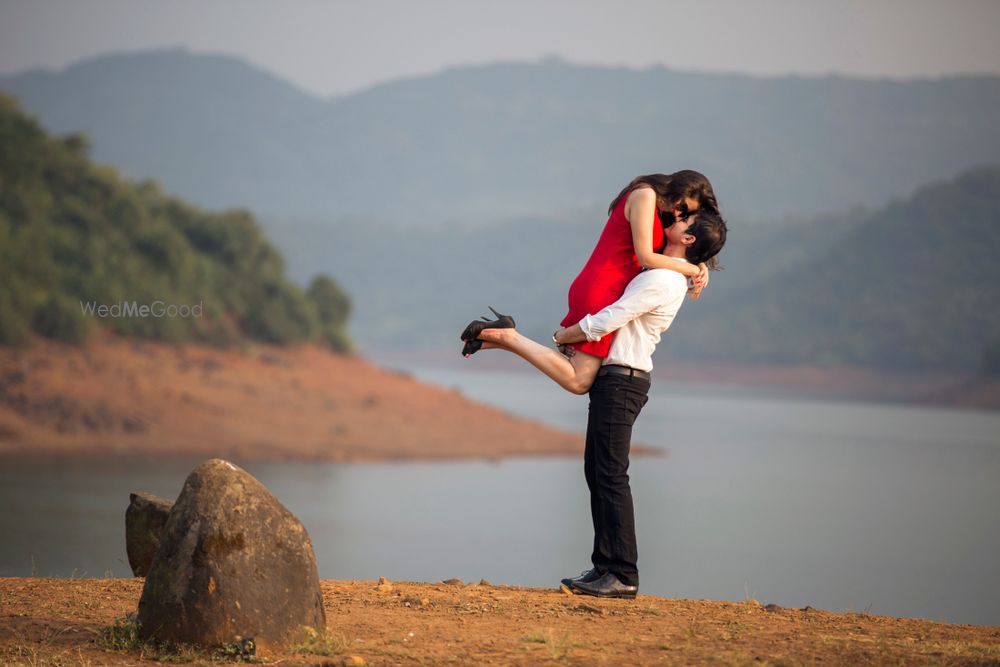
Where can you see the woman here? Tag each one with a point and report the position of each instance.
(630, 242)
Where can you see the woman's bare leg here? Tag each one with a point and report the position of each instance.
(575, 375)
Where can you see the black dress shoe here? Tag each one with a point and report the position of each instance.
(585, 577)
(608, 586)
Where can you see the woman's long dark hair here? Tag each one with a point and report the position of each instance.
(670, 188)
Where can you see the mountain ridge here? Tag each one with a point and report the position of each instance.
(478, 143)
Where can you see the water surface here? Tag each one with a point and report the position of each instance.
(841, 506)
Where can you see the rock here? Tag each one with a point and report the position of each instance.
(383, 585)
(144, 520)
(345, 661)
(772, 607)
(233, 564)
(414, 601)
(485, 582)
(453, 582)
(589, 608)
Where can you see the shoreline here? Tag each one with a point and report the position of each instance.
(412, 623)
(130, 399)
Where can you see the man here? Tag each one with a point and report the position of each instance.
(618, 387)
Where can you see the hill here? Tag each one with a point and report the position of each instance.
(914, 285)
(475, 145)
(127, 397)
(82, 248)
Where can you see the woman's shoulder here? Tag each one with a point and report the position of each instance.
(641, 195)
(643, 190)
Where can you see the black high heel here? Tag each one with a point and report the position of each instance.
(476, 327)
(471, 347)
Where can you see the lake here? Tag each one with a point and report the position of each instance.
(842, 506)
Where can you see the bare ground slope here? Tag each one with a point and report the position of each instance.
(125, 397)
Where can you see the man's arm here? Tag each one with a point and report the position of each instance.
(646, 292)
(573, 334)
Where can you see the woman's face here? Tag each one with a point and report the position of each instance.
(684, 207)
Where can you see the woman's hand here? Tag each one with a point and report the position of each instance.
(699, 282)
(565, 349)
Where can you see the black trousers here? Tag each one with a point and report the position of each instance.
(615, 402)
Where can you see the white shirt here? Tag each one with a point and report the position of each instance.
(643, 312)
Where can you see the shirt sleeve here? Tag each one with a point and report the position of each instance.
(646, 292)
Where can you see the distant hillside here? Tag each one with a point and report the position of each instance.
(912, 285)
(915, 285)
(127, 397)
(485, 143)
(76, 238)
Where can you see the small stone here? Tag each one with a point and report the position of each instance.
(589, 608)
(144, 521)
(772, 607)
(453, 582)
(353, 661)
(383, 585)
(808, 608)
(485, 582)
(566, 589)
(414, 601)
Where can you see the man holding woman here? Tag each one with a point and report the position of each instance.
(609, 347)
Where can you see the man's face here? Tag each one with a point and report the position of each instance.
(677, 233)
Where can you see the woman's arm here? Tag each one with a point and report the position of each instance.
(640, 211)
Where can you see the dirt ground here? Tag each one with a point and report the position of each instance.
(59, 622)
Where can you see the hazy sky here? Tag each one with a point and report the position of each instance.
(339, 46)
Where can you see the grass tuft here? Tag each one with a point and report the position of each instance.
(558, 646)
(123, 637)
(314, 643)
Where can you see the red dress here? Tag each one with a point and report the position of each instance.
(609, 270)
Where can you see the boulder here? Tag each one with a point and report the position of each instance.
(144, 520)
(233, 565)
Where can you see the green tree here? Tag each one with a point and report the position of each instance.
(72, 231)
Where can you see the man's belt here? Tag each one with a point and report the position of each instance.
(615, 369)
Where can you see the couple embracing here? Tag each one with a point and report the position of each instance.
(663, 231)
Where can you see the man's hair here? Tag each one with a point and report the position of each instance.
(709, 230)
